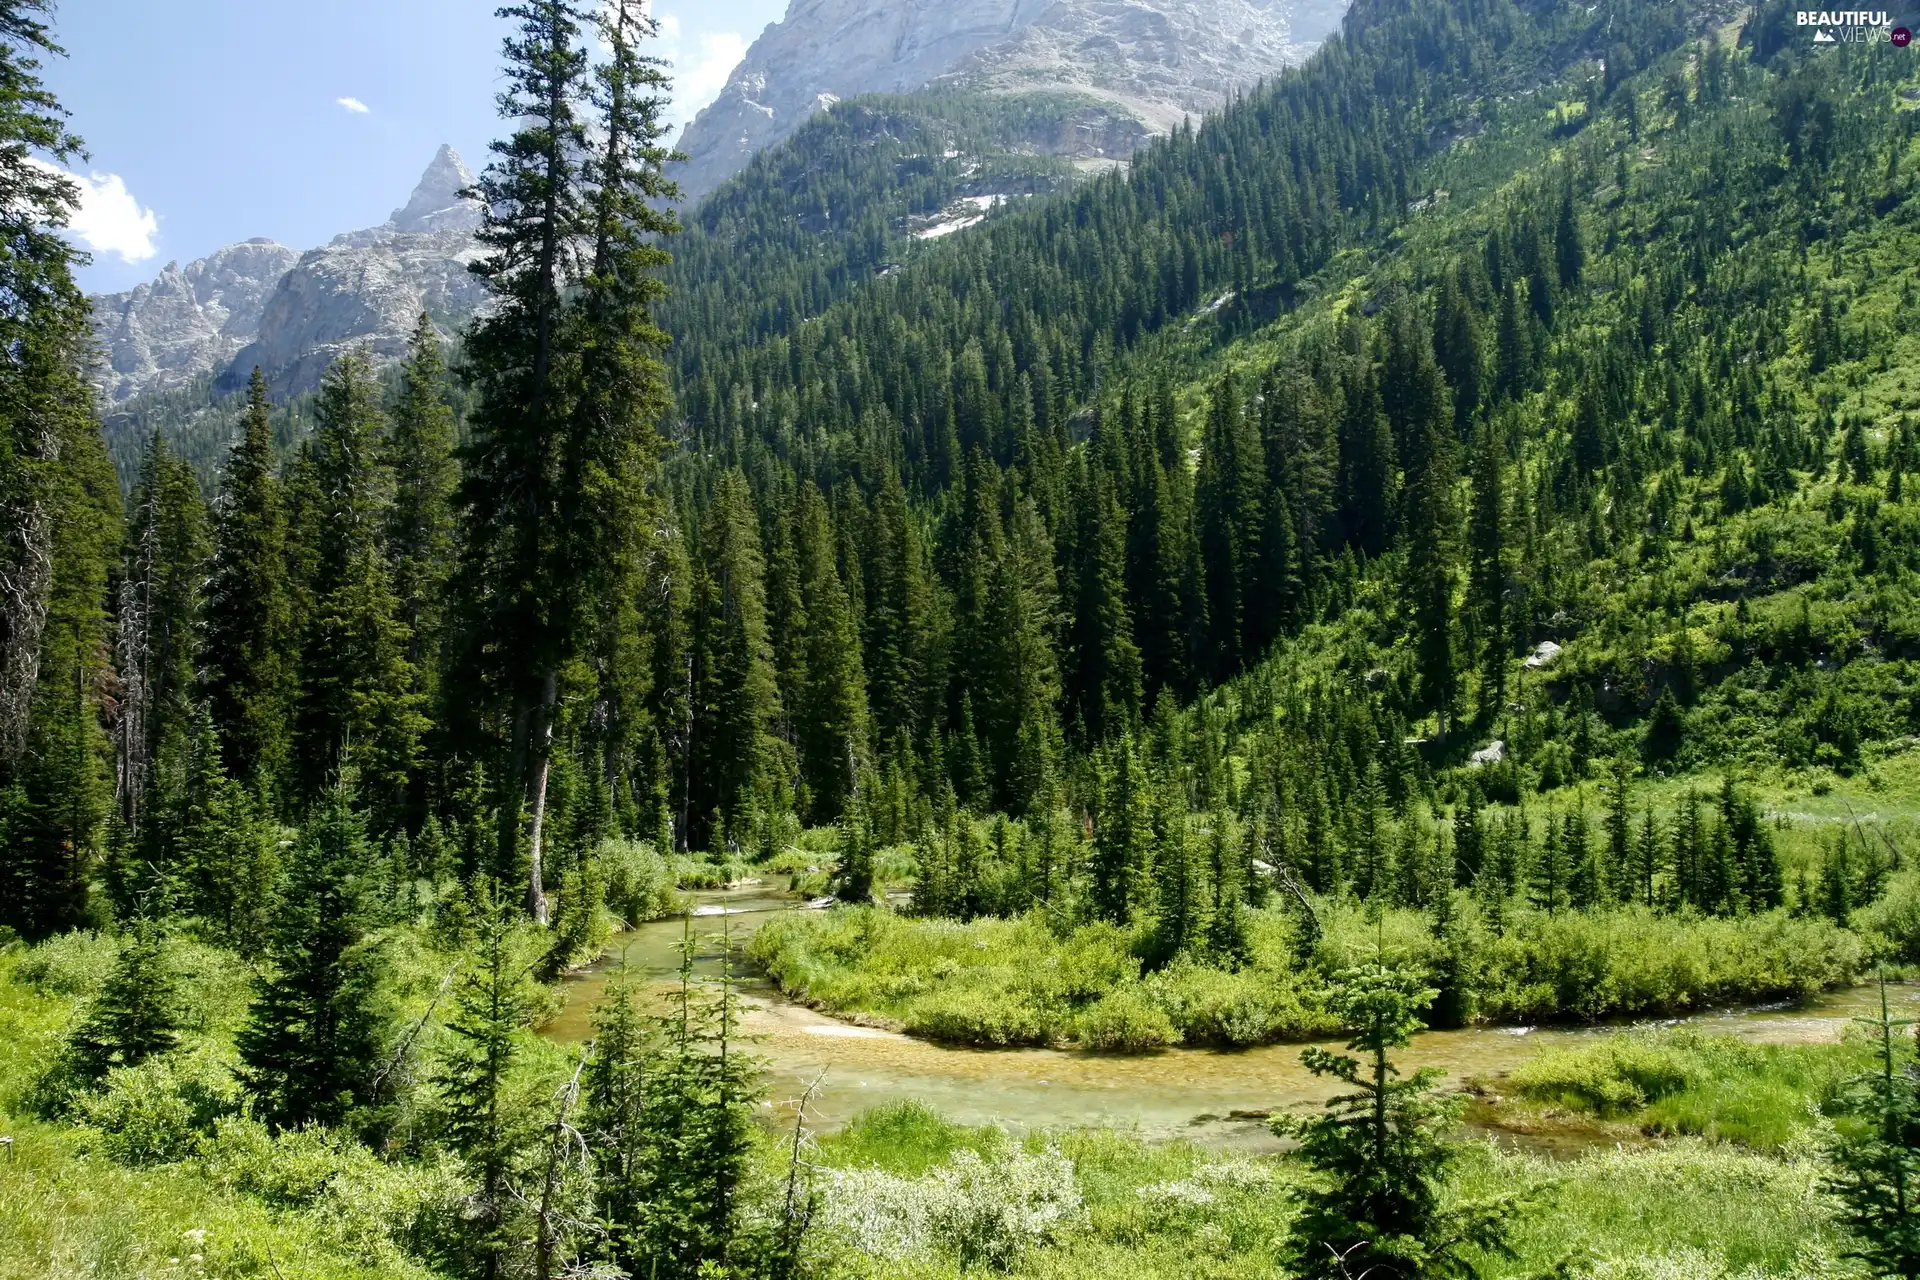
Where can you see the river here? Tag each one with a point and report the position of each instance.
(1216, 1097)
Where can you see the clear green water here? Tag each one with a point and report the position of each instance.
(1202, 1094)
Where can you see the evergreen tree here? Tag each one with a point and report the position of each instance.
(1122, 855)
(50, 440)
(732, 754)
(319, 1018)
(1231, 523)
(357, 697)
(157, 641)
(1105, 664)
(1489, 565)
(137, 1014)
(568, 381)
(420, 526)
(1382, 1154)
(250, 638)
(1875, 1154)
(488, 1122)
(830, 711)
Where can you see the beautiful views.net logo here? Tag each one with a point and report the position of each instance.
(1852, 26)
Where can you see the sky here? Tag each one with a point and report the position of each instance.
(211, 121)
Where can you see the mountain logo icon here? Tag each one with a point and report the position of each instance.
(1822, 37)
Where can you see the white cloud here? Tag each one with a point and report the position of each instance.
(698, 78)
(108, 218)
(354, 105)
(699, 72)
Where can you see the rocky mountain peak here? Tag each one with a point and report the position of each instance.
(436, 203)
(257, 302)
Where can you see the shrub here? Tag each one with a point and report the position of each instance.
(975, 1210)
(159, 1111)
(1612, 1077)
(68, 964)
(977, 1015)
(1892, 924)
(640, 884)
(1125, 1021)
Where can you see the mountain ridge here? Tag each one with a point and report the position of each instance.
(291, 312)
(1156, 60)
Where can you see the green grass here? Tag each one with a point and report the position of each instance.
(69, 1210)
(1687, 1210)
(1758, 1095)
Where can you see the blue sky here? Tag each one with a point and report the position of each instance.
(209, 121)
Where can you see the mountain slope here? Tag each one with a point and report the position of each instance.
(1152, 60)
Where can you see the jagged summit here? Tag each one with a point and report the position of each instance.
(257, 302)
(436, 203)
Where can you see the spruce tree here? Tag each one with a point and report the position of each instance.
(1382, 1154)
(1104, 681)
(319, 1018)
(157, 641)
(59, 511)
(1875, 1154)
(1122, 849)
(250, 639)
(1489, 565)
(137, 1013)
(357, 696)
(830, 711)
(569, 383)
(1228, 513)
(489, 1124)
(44, 328)
(732, 753)
(419, 455)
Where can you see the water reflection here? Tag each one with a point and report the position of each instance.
(1219, 1098)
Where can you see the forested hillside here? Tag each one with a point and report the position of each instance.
(1455, 505)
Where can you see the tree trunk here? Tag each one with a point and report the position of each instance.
(539, 756)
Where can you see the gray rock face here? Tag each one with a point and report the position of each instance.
(1156, 60)
(436, 204)
(366, 289)
(186, 321)
(260, 303)
(1161, 60)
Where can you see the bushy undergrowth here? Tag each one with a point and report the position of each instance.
(997, 982)
(640, 883)
(1681, 1082)
(1683, 1211)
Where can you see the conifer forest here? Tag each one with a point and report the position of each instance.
(1341, 700)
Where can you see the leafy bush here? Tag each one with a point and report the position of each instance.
(1892, 924)
(1125, 1021)
(997, 982)
(1612, 1077)
(980, 1015)
(159, 1111)
(975, 1210)
(1630, 962)
(640, 884)
(372, 1205)
(68, 964)
(1255, 1005)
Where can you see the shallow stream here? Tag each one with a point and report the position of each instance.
(1219, 1098)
